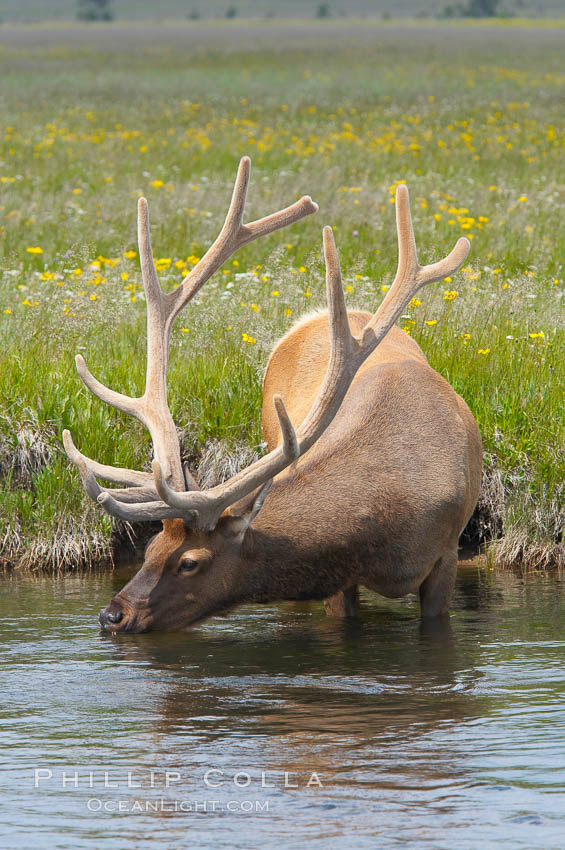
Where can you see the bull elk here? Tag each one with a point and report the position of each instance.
(372, 488)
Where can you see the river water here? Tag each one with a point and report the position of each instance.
(280, 727)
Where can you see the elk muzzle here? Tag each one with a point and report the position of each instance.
(120, 616)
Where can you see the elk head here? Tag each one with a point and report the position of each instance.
(198, 564)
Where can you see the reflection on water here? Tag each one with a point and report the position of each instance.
(279, 721)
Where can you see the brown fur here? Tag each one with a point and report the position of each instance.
(379, 500)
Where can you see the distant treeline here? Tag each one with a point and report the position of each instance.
(36, 11)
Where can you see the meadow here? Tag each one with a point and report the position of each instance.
(470, 117)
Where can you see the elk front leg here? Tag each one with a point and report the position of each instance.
(437, 589)
(343, 604)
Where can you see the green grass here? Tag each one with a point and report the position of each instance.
(89, 121)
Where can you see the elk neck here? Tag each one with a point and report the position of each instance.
(282, 557)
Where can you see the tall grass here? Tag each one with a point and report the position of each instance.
(474, 131)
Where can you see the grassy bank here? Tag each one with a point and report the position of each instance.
(469, 118)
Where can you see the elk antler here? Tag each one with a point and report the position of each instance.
(347, 353)
(152, 408)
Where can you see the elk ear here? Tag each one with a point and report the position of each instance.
(241, 514)
(190, 483)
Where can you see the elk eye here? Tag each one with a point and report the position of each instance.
(188, 566)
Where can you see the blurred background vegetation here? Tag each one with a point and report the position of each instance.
(34, 11)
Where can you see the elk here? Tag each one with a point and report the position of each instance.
(372, 488)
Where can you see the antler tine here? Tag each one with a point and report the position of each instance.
(153, 296)
(127, 477)
(407, 251)
(94, 490)
(290, 448)
(111, 397)
(153, 291)
(140, 512)
(410, 276)
(277, 220)
(234, 217)
(155, 413)
(341, 337)
(342, 346)
(447, 266)
(234, 234)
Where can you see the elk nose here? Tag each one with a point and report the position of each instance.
(110, 618)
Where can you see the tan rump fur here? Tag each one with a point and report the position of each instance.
(397, 472)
